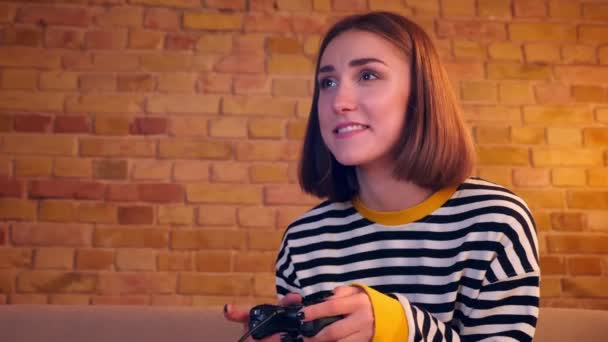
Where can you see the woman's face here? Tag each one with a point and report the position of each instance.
(364, 85)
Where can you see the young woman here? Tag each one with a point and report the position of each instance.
(410, 245)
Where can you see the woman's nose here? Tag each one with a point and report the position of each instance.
(344, 99)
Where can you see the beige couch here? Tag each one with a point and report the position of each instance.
(29, 323)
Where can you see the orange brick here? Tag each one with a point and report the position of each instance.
(208, 239)
(13, 258)
(290, 65)
(183, 104)
(530, 9)
(597, 220)
(106, 61)
(120, 16)
(68, 16)
(290, 87)
(528, 135)
(214, 261)
(552, 265)
(175, 261)
(215, 83)
(28, 101)
(287, 194)
(190, 171)
(166, 62)
(545, 32)
(171, 300)
(468, 50)
(595, 137)
(531, 177)
(602, 115)
(564, 136)
(29, 57)
(54, 258)
(593, 34)
(492, 135)
(33, 167)
(552, 93)
(136, 83)
(560, 115)
(498, 175)
(268, 23)
(224, 193)
(112, 125)
(136, 283)
(257, 106)
(58, 211)
(543, 223)
(226, 4)
(228, 128)
(73, 168)
(69, 299)
(162, 18)
(249, 84)
(280, 45)
(588, 93)
(258, 217)
(268, 173)
(598, 177)
(58, 80)
(7, 13)
(55, 281)
(188, 126)
(515, 93)
(17, 209)
(104, 103)
(122, 192)
(479, 91)
(588, 200)
(585, 286)
(568, 221)
(19, 79)
(36, 299)
(568, 177)
(254, 262)
(213, 21)
(518, 71)
(265, 240)
(582, 74)
(64, 38)
(566, 156)
(94, 259)
(458, 8)
(216, 215)
(215, 43)
(97, 213)
(136, 260)
(266, 128)
(96, 147)
(241, 63)
(177, 82)
(584, 244)
(494, 8)
(564, 9)
(233, 285)
(543, 199)
(131, 237)
(578, 266)
(141, 39)
(110, 169)
(505, 51)
(105, 39)
(574, 54)
(178, 148)
(229, 172)
(261, 151)
(7, 281)
(176, 215)
(503, 156)
(551, 287)
(472, 30)
(542, 52)
(51, 234)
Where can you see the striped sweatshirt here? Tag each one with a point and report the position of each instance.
(462, 265)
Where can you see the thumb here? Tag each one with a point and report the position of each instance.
(344, 291)
(290, 298)
(234, 314)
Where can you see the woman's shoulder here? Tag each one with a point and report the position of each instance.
(316, 216)
(478, 189)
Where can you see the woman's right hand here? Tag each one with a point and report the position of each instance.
(237, 315)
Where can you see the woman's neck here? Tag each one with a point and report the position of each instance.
(379, 190)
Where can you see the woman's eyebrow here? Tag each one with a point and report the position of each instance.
(354, 62)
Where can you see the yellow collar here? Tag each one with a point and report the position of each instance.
(399, 217)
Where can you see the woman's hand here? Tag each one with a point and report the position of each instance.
(358, 323)
(237, 315)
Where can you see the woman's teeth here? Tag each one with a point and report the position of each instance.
(350, 128)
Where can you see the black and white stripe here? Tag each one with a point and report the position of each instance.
(468, 271)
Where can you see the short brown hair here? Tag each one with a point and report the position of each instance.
(434, 150)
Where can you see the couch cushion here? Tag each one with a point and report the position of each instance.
(29, 323)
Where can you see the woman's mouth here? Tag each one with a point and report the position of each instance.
(349, 128)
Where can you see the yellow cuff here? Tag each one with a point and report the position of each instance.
(390, 323)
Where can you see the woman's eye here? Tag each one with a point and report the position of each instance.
(326, 83)
(368, 76)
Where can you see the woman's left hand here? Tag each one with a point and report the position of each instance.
(356, 326)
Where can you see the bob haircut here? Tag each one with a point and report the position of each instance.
(434, 150)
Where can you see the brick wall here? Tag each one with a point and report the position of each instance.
(148, 148)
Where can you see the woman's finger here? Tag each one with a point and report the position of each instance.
(235, 315)
(290, 299)
(345, 291)
(336, 306)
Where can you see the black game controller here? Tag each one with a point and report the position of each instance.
(266, 320)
